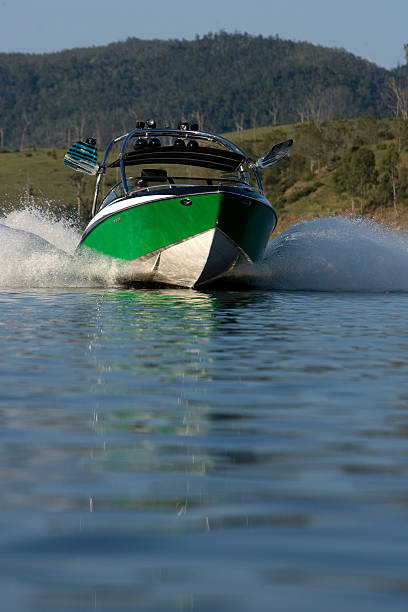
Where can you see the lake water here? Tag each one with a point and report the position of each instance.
(239, 449)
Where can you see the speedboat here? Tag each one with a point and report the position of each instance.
(182, 207)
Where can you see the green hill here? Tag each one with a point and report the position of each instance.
(226, 81)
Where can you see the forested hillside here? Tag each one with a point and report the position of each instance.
(225, 81)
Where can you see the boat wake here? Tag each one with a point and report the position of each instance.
(334, 254)
(331, 254)
(37, 250)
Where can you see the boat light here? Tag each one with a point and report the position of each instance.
(183, 126)
(192, 144)
(179, 142)
(140, 125)
(150, 124)
(139, 143)
(153, 142)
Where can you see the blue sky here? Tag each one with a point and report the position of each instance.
(373, 29)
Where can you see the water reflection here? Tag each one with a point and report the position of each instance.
(171, 399)
(168, 329)
(173, 450)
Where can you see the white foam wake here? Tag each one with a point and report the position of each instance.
(37, 250)
(332, 254)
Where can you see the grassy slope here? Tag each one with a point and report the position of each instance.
(42, 174)
(324, 201)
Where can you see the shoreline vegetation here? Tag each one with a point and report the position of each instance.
(337, 167)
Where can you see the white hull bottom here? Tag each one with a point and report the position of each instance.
(191, 263)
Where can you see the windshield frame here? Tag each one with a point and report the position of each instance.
(247, 163)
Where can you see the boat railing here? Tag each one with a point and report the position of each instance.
(171, 133)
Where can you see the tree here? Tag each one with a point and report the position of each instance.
(398, 104)
(27, 122)
(274, 103)
(312, 145)
(78, 182)
(390, 178)
(402, 193)
(399, 100)
(356, 175)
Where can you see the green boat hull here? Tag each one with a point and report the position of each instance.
(134, 228)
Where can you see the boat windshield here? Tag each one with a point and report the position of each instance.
(150, 180)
